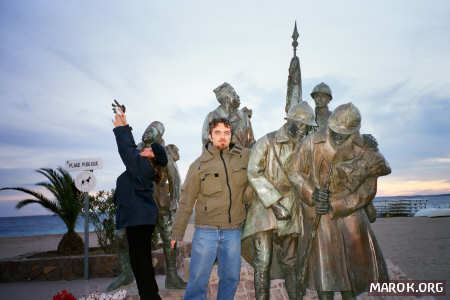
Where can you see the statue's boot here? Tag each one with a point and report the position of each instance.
(301, 291)
(262, 284)
(348, 295)
(126, 275)
(173, 281)
(291, 286)
(325, 295)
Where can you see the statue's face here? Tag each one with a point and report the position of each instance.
(174, 152)
(220, 136)
(236, 101)
(230, 100)
(321, 99)
(297, 129)
(150, 135)
(225, 101)
(338, 139)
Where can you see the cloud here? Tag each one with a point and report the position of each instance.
(388, 187)
(439, 160)
(61, 65)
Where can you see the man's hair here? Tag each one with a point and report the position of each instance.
(214, 122)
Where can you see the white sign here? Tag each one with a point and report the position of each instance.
(84, 164)
(85, 181)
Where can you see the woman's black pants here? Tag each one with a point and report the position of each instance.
(139, 242)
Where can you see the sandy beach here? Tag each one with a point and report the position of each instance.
(14, 246)
(419, 247)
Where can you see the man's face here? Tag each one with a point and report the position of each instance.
(297, 129)
(147, 152)
(321, 99)
(220, 136)
(338, 139)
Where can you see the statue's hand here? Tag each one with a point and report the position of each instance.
(173, 243)
(321, 201)
(280, 212)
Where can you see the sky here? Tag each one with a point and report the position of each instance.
(63, 62)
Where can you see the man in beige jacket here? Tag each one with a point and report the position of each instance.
(216, 183)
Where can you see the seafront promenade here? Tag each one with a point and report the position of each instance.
(415, 248)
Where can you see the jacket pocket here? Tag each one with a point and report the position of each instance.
(210, 183)
(239, 176)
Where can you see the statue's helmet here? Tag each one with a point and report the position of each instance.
(345, 119)
(302, 112)
(322, 88)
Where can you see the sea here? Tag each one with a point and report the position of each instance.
(52, 224)
(37, 225)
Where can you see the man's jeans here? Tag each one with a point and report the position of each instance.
(208, 244)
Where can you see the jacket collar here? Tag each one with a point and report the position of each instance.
(209, 151)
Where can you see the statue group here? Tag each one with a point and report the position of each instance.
(313, 183)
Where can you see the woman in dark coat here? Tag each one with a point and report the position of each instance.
(136, 210)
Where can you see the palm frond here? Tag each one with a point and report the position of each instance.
(50, 205)
(49, 187)
(68, 201)
(27, 191)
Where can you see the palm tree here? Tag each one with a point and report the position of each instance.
(67, 205)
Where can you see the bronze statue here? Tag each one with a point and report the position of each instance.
(166, 195)
(322, 96)
(273, 222)
(335, 171)
(229, 109)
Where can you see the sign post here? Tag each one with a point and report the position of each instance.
(85, 182)
(86, 236)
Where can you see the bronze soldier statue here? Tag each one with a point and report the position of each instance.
(174, 184)
(336, 171)
(273, 222)
(166, 195)
(322, 96)
(229, 109)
